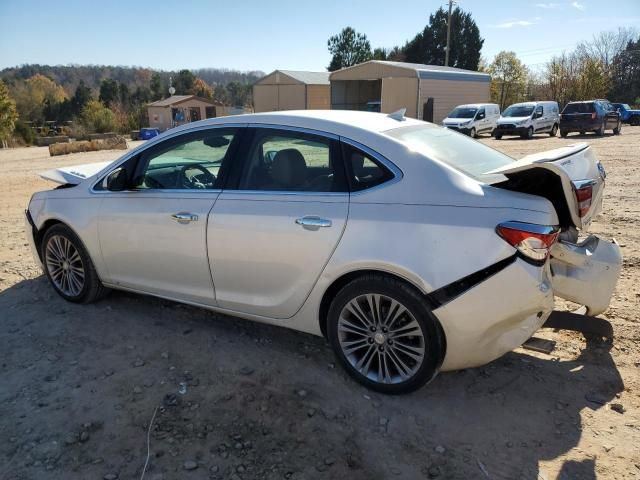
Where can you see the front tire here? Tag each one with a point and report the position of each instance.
(472, 133)
(529, 134)
(69, 267)
(554, 130)
(384, 334)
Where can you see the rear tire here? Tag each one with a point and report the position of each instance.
(384, 334)
(69, 267)
(498, 136)
(554, 130)
(564, 133)
(600, 131)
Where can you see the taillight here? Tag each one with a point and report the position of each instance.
(532, 241)
(593, 115)
(584, 194)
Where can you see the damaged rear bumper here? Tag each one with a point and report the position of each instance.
(586, 273)
(496, 316)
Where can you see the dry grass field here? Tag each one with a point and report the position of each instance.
(238, 400)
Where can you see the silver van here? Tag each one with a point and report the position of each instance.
(473, 119)
(528, 118)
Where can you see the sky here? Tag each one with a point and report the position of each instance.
(269, 34)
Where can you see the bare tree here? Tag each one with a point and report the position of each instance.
(606, 45)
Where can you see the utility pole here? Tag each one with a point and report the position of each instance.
(446, 55)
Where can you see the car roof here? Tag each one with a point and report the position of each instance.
(331, 121)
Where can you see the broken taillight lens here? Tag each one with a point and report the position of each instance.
(532, 241)
(584, 195)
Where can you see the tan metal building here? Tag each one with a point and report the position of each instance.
(428, 92)
(292, 90)
(180, 109)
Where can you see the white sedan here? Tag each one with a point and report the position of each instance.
(413, 249)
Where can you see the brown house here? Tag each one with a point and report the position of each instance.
(180, 109)
(292, 90)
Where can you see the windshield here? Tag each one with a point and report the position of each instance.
(461, 112)
(583, 107)
(459, 151)
(518, 111)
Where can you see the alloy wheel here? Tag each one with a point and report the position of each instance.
(381, 339)
(64, 265)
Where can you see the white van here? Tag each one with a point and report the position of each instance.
(473, 119)
(526, 119)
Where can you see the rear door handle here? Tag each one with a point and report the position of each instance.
(312, 222)
(184, 217)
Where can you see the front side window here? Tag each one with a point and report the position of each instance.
(280, 160)
(480, 114)
(192, 162)
(539, 110)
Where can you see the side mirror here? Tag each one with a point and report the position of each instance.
(538, 115)
(481, 116)
(116, 181)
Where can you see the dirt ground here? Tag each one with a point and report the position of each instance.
(237, 400)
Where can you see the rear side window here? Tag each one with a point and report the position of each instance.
(364, 171)
(283, 160)
(587, 107)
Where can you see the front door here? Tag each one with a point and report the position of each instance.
(271, 234)
(153, 235)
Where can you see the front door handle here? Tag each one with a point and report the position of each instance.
(184, 217)
(313, 222)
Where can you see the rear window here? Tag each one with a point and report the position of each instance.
(459, 151)
(579, 108)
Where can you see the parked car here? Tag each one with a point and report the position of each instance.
(527, 119)
(627, 114)
(411, 248)
(473, 119)
(590, 116)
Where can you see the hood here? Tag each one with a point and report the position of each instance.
(456, 121)
(75, 174)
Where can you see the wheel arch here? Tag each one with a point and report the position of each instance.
(344, 279)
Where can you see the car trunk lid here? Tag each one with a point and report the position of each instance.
(570, 177)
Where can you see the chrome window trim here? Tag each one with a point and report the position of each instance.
(150, 144)
(310, 131)
(392, 167)
(287, 192)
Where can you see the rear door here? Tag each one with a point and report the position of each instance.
(275, 226)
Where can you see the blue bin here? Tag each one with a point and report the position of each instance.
(147, 133)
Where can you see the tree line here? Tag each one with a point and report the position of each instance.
(607, 66)
(88, 99)
(428, 46)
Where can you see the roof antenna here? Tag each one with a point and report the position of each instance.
(398, 115)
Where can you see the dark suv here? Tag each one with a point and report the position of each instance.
(591, 115)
